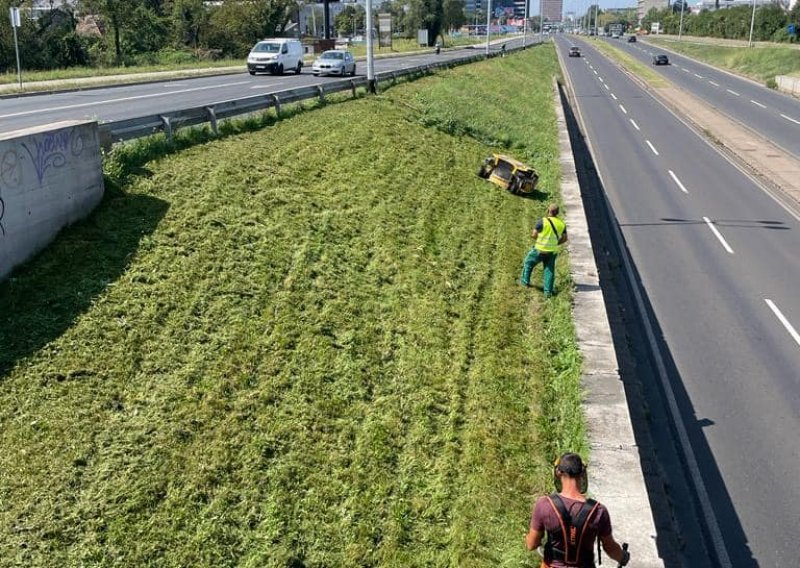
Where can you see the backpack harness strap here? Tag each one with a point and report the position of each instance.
(572, 530)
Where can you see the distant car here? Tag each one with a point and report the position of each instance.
(574, 51)
(334, 62)
(660, 59)
(631, 39)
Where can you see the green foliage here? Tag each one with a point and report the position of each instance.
(350, 21)
(730, 23)
(302, 346)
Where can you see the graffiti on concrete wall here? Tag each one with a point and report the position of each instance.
(52, 149)
(10, 177)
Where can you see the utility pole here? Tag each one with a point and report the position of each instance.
(525, 24)
(370, 58)
(752, 22)
(488, 24)
(680, 28)
(596, 7)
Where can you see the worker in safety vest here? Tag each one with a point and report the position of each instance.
(571, 521)
(550, 232)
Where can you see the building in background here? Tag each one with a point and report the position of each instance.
(644, 6)
(551, 10)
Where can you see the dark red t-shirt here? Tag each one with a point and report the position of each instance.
(545, 518)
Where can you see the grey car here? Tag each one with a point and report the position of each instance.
(335, 62)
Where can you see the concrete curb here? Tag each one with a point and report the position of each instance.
(616, 474)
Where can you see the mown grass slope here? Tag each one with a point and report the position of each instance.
(301, 346)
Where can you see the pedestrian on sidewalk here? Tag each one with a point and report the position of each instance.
(571, 521)
(549, 233)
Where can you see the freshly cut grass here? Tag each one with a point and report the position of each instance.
(761, 64)
(302, 346)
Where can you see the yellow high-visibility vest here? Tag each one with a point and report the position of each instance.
(547, 241)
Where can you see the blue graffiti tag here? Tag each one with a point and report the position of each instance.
(50, 150)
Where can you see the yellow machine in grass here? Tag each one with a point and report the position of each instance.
(510, 174)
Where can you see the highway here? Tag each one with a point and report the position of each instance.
(131, 101)
(774, 115)
(718, 261)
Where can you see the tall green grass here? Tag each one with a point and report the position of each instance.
(761, 64)
(302, 346)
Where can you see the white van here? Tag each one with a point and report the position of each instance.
(276, 56)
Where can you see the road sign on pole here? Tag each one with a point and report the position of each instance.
(15, 23)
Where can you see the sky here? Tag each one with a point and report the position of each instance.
(580, 6)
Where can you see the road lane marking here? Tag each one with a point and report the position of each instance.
(713, 83)
(622, 108)
(606, 86)
(123, 99)
(636, 126)
(790, 118)
(685, 70)
(653, 148)
(677, 181)
(758, 103)
(718, 235)
(792, 331)
(600, 79)
(613, 96)
(734, 93)
(699, 76)
(594, 71)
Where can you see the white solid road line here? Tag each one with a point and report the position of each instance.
(122, 99)
(792, 331)
(718, 235)
(713, 83)
(622, 108)
(677, 181)
(790, 118)
(653, 148)
(734, 93)
(613, 96)
(636, 126)
(758, 103)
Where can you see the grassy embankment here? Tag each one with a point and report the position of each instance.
(761, 64)
(297, 346)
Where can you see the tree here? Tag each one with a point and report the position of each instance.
(453, 14)
(114, 13)
(426, 14)
(188, 19)
(350, 20)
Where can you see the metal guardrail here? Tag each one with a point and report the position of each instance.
(121, 130)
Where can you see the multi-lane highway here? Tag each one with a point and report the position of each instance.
(774, 115)
(130, 101)
(718, 261)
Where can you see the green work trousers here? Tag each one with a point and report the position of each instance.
(548, 260)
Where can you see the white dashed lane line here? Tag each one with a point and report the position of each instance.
(790, 118)
(778, 314)
(653, 148)
(734, 93)
(713, 83)
(677, 182)
(622, 108)
(607, 87)
(613, 96)
(636, 126)
(758, 104)
(686, 70)
(718, 235)
(699, 76)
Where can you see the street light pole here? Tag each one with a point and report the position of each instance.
(752, 22)
(541, 22)
(370, 66)
(680, 28)
(488, 24)
(596, 7)
(525, 24)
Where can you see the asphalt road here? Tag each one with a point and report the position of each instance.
(774, 115)
(131, 101)
(718, 261)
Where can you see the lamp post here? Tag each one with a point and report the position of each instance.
(752, 23)
(596, 7)
(541, 22)
(370, 66)
(680, 27)
(525, 24)
(488, 24)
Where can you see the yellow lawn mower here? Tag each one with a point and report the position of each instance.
(510, 174)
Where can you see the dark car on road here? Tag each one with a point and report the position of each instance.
(660, 59)
(631, 39)
(574, 51)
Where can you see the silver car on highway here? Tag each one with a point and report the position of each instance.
(335, 62)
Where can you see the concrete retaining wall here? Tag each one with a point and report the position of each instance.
(49, 177)
(788, 84)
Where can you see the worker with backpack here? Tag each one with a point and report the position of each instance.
(572, 522)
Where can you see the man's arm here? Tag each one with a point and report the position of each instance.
(563, 238)
(613, 549)
(534, 539)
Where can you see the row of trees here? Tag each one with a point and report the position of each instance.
(771, 22)
(136, 31)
